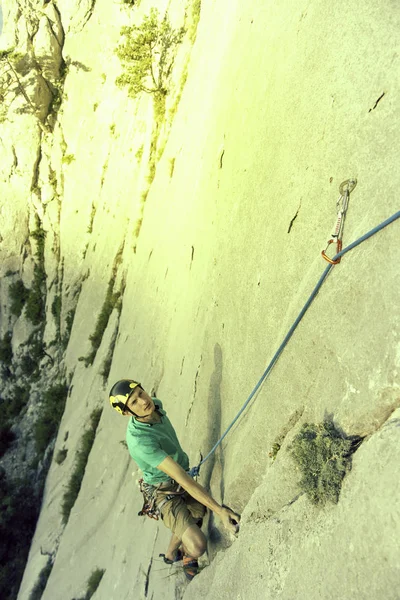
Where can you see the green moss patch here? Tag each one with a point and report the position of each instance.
(323, 455)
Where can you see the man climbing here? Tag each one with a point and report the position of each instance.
(168, 488)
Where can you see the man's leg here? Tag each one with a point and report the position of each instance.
(178, 517)
(174, 544)
(194, 544)
(194, 541)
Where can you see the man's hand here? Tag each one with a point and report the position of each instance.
(175, 471)
(230, 519)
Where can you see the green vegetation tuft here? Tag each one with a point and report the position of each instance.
(56, 308)
(82, 456)
(13, 406)
(138, 226)
(67, 159)
(61, 456)
(273, 453)
(159, 107)
(139, 153)
(34, 352)
(19, 508)
(171, 166)
(52, 410)
(195, 18)
(92, 584)
(6, 352)
(69, 320)
(105, 371)
(41, 583)
(322, 454)
(7, 436)
(172, 111)
(19, 295)
(35, 304)
(101, 324)
(92, 215)
(104, 172)
(29, 366)
(112, 300)
(53, 178)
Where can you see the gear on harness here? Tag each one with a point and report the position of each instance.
(149, 492)
(341, 205)
(149, 498)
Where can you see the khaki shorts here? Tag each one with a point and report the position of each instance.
(181, 512)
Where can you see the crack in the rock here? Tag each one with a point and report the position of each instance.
(221, 156)
(191, 258)
(147, 575)
(147, 580)
(293, 420)
(377, 102)
(294, 218)
(88, 14)
(194, 391)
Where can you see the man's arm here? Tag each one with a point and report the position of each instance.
(175, 471)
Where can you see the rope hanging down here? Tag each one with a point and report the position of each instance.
(194, 471)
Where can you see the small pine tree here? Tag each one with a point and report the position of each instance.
(147, 54)
(11, 86)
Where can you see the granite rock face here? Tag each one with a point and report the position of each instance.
(212, 251)
(328, 553)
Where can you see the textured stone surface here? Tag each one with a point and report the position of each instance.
(344, 551)
(280, 106)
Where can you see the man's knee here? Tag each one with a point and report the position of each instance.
(195, 549)
(194, 541)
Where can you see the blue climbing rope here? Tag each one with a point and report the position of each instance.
(194, 471)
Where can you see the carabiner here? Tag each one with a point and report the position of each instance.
(345, 188)
(341, 206)
(350, 185)
(338, 249)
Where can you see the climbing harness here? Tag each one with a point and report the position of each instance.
(341, 206)
(150, 492)
(348, 185)
(149, 498)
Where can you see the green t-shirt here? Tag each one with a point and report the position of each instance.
(149, 444)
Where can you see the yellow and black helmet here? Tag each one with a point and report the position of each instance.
(124, 387)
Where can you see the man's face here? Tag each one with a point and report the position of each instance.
(140, 403)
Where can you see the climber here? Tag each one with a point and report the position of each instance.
(168, 489)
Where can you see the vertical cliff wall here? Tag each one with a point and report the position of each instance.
(278, 105)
